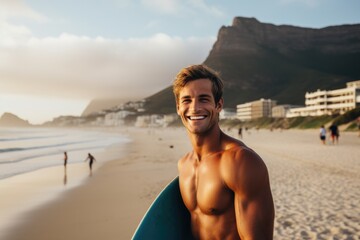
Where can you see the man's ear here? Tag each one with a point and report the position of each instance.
(177, 108)
(220, 104)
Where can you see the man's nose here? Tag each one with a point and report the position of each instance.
(194, 105)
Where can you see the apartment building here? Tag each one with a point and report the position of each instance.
(255, 109)
(328, 102)
(243, 111)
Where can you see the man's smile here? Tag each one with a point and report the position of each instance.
(199, 117)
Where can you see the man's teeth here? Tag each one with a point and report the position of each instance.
(196, 117)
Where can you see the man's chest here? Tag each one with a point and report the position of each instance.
(203, 189)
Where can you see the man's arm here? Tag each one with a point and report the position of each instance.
(247, 175)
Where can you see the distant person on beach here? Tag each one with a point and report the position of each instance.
(240, 132)
(334, 133)
(65, 159)
(224, 184)
(91, 161)
(323, 134)
(358, 125)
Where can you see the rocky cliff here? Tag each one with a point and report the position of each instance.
(283, 62)
(250, 35)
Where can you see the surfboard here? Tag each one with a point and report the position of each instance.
(167, 218)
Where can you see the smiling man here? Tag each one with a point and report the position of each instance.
(224, 184)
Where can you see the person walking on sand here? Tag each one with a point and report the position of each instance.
(65, 159)
(323, 134)
(223, 183)
(240, 133)
(91, 161)
(334, 133)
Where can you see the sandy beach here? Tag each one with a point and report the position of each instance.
(316, 188)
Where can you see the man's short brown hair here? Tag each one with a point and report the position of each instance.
(196, 72)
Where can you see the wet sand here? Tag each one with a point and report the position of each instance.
(316, 188)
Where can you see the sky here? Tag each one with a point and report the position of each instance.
(58, 55)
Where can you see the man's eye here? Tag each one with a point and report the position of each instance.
(185, 101)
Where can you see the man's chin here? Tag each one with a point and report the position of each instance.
(196, 130)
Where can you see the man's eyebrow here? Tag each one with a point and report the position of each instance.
(200, 96)
(205, 96)
(186, 96)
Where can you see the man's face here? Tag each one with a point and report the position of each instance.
(196, 106)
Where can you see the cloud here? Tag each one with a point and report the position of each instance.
(10, 34)
(82, 67)
(16, 8)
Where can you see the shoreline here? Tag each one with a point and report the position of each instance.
(25, 192)
(315, 188)
(95, 203)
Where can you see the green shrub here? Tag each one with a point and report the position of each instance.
(347, 117)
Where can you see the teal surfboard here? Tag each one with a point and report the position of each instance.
(167, 218)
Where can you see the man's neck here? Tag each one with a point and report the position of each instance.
(207, 143)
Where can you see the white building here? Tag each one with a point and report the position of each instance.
(281, 111)
(228, 113)
(298, 112)
(328, 102)
(116, 118)
(255, 109)
(155, 120)
(243, 111)
(169, 118)
(142, 121)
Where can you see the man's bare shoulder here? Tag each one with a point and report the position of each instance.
(237, 153)
(241, 167)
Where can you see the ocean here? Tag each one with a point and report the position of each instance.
(24, 150)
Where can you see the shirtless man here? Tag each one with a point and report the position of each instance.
(224, 184)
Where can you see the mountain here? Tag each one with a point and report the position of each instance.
(100, 104)
(11, 120)
(261, 60)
